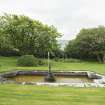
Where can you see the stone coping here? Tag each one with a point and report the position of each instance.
(91, 75)
(60, 84)
(98, 80)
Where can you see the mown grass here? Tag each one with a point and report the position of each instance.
(13, 94)
(42, 95)
(9, 63)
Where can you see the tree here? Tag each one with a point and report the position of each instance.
(29, 36)
(72, 50)
(92, 41)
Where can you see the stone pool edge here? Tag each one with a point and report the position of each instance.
(98, 79)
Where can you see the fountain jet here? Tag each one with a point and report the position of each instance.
(50, 76)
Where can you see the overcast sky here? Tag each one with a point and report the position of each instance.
(69, 16)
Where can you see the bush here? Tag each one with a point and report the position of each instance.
(9, 52)
(71, 60)
(41, 62)
(27, 60)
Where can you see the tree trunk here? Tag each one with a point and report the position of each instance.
(99, 59)
(103, 58)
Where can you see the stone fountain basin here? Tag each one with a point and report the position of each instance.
(98, 80)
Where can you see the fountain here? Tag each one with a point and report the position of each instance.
(44, 77)
(50, 76)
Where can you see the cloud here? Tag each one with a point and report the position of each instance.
(69, 16)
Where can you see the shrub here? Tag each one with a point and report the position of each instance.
(56, 59)
(71, 60)
(27, 60)
(9, 52)
(41, 62)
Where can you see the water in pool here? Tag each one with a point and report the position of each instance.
(60, 79)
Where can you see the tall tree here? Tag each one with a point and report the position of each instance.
(92, 41)
(29, 36)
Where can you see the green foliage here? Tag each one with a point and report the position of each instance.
(26, 35)
(92, 41)
(41, 62)
(72, 50)
(70, 60)
(88, 43)
(27, 60)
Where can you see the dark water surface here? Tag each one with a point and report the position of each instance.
(60, 79)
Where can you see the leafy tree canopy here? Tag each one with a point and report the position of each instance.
(90, 41)
(27, 35)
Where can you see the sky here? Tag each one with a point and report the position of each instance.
(68, 16)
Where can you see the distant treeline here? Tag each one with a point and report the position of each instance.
(21, 35)
(89, 44)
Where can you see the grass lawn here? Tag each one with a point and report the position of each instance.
(42, 95)
(9, 63)
(12, 94)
